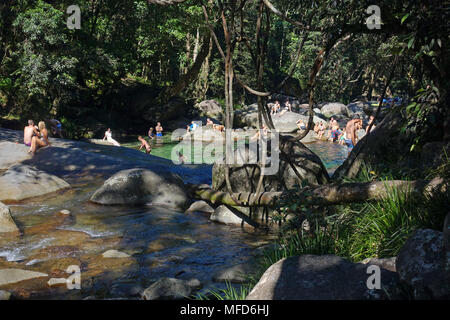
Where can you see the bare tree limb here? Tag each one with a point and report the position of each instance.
(330, 194)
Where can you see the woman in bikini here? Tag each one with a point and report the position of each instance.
(41, 140)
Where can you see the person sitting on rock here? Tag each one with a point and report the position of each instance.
(333, 122)
(108, 137)
(288, 106)
(320, 130)
(300, 124)
(29, 132)
(257, 135)
(209, 122)
(145, 144)
(219, 127)
(41, 140)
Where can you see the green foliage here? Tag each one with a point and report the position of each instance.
(229, 293)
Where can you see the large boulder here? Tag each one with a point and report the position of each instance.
(423, 264)
(141, 186)
(335, 108)
(356, 108)
(6, 221)
(288, 121)
(22, 181)
(326, 277)
(244, 175)
(210, 108)
(171, 289)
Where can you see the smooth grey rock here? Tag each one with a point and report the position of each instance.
(7, 223)
(4, 295)
(12, 153)
(224, 215)
(210, 108)
(335, 108)
(9, 276)
(288, 121)
(22, 181)
(171, 289)
(200, 206)
(421, 264)
(326, 277)
(79, 160)
(64, 212)
(140, 186)
(115, 254)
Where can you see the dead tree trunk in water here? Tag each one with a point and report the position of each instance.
(331, 194)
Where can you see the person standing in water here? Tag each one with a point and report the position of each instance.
(159, 129)
(151, 135)
(108, 137)
(350, 132)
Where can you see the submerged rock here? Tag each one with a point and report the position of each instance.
(141, 186)
(327, 277)
(171, 289)
(422, 264)
(7, 223)
(235, 274)
(200, 206)
(9, 276)
(224, 215)
(115, 254)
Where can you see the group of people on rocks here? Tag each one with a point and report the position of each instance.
(276, 108)
(347, 136)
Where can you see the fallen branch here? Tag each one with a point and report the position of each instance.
(330, 194)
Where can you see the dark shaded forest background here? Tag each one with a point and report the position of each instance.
(110, 73)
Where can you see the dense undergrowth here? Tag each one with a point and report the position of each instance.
(353, 231)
